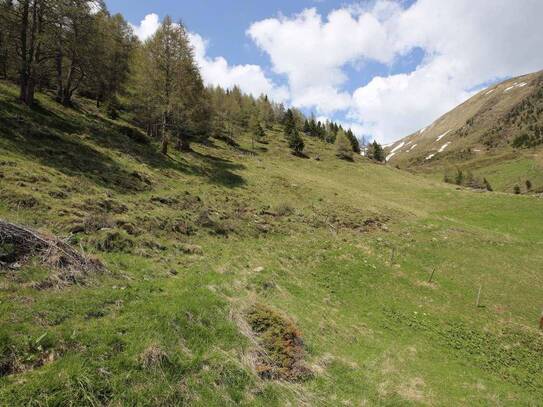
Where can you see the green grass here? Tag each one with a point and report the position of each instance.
(300, 236)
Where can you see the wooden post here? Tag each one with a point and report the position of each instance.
(392, 255)
(432, 275)
(479, 296)
(541, 322)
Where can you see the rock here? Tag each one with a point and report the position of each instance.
(259, 269)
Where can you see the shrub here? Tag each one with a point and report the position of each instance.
(459, 179)
(528, 185)
(487, 185)
(344, 149)
(296, 143)
(516, 190)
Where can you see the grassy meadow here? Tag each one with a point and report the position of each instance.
(373, 271)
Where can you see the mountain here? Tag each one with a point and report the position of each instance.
(497, 134)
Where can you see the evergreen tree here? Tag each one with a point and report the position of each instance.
(353, 140)
(260, 134)
(295, 141)
(376, 152)
(307, 127)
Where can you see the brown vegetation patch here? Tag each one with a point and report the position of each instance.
(153, 357)
(282, 351)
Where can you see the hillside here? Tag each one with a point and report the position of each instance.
(496, 134)
(235, 277)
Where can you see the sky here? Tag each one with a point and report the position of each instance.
(384, 68)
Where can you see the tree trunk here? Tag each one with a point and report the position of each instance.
(164, 144)
(67, 92)
(58, 64)
(24, 74)
(184, 143)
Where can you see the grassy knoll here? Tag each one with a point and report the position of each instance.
(339, 253)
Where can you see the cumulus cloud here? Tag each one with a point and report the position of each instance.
(147, 27)
(250, 78)
(216, 71)
(311, 52)
(466, 43)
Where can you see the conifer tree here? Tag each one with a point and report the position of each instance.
(295, 141)
(376, 152)
(353, 140)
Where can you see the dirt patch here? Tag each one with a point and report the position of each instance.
(413, 390)
(281, 350)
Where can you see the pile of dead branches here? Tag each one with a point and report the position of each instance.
(18, 244)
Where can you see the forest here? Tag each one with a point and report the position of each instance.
(76, 47)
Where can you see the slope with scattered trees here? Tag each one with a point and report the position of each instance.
(228, 270)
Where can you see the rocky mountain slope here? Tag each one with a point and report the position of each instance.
(498, 134)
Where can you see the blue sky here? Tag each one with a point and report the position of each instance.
(385, 68)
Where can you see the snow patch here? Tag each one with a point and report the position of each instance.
(390, 156)
(431, 156)
(398, 147)
(516, 85)
(412, 147)
(490, 91)
(443, 135)
(443, 147)
(422, 130)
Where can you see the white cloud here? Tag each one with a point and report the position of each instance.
(147, 27)
(250, 78)
(466, 43)
(311, 52)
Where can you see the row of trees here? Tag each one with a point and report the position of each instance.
(328, 132)
(68, 46)
(77, 46)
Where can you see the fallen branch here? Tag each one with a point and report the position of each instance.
(19, 243)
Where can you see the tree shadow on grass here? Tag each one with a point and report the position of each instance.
(221, 171)
(58, 141)
(43, 136)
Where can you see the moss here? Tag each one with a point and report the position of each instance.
(283, 356)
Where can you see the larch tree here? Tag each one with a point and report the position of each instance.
(344, 149)
(168, 86)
